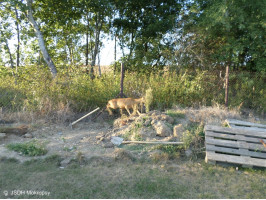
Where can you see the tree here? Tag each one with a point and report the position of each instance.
(144, 28)
(39, 35)
(225, 32)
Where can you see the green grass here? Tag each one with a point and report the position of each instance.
(31, 148)
(137, 180)
(176, 114)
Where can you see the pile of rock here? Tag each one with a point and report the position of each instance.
(148, 127)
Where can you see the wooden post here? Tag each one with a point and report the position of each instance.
(122, 80)
(121, 94)
(226, 85)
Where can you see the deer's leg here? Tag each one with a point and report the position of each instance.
(109, 110)
(127, 110)
(121, 111)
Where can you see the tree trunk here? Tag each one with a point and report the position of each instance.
(87, 41)
(9, 53)
(98, 28)
(18, 39)
(39, 35)
(10, 57)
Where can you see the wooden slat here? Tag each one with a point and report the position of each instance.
(261, 133)
(235, 159)
(233, 137)
(236, 144)
(243, 123)
(214, 148)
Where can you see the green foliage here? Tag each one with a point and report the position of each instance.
(176, 114)
(32, 148)
(193, 138)
(224, 32)
(73, 90)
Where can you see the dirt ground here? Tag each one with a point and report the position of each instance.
(63, 140)
(87, 138)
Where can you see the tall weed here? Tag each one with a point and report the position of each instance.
(74, 90)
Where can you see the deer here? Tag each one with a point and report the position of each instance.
(124, 103)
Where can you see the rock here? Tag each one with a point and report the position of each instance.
(145, 133)
(117, 123)
(100, 138)
(178, 131)
(162, 129)
(188, 152)
(65, 162)
(122, 154)
(2, 136)
(147, 122)
(108, 145)
(167, 118)
(28, 135)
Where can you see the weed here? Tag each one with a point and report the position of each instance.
(32, 148)
(148, 99)
(173, 151)
(193, 138)
(176, 114)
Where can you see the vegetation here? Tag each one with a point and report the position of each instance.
(36, 91)
(31, 148)
(151, 34)
(137, 180)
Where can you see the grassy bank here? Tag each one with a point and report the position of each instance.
(73, 90)
(131, 180)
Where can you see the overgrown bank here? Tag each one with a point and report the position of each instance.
(73, 90)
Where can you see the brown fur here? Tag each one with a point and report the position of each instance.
(124, 103)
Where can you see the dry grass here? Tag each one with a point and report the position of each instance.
(214, 115)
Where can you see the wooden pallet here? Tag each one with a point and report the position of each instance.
(233, 123)
(235, 145)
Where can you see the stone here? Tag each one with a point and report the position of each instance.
(100, 137)
(65, 162)
(188, 152)
(145, 133)
(108, 145)
(167, 118)
(2, 136)
(178, 131)
(147, 122)
(162, 129)
(28, 135)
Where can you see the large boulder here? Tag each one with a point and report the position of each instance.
(162, 129)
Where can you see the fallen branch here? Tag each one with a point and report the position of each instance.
(71, 124)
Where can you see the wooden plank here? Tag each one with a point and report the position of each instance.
(244, 123)
(261, 133)
(151, 142)
(235, 144)
(210, 147)
(233, 137)
(212, 156)
(248, 128)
